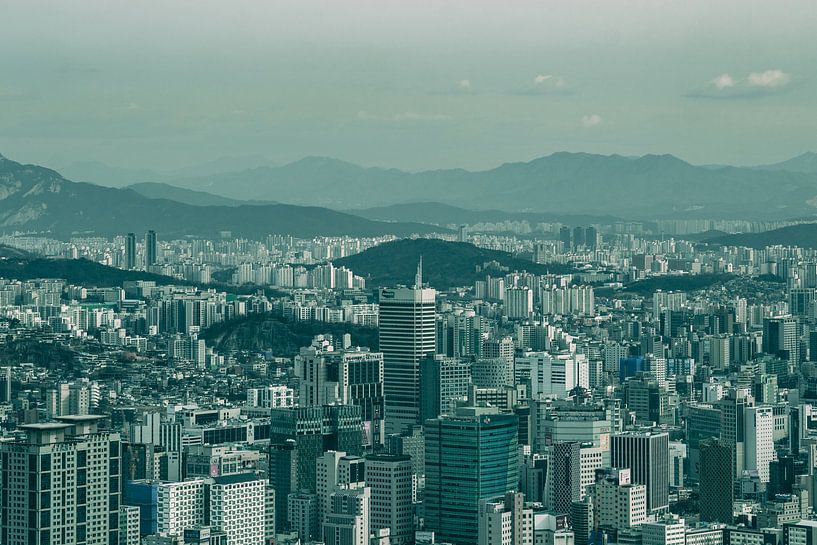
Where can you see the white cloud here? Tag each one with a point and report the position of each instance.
(546, 84)
(769, 79)
(591, 120)
(549, 79)
(465, 84)
(724, 81)
(755, 84)
(131, 106)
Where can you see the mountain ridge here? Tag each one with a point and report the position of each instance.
(646, 187)
(35, 198)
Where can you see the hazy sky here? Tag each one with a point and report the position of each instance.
(412, 84)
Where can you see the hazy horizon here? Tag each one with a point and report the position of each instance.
(416, 86)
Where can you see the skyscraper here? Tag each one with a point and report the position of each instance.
(5, 384)
(759, 444)
(130, 251)
(780, 338)
(470, 456)
(733, 425)
(646, 455)
(563, 482)
(390, 479)
(151, 249)
(352, 377)
(717, 477)
(407, 335)
(314, 430)
(71, 493)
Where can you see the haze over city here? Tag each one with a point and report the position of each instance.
(412, 85)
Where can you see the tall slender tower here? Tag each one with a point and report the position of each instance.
(130, 251)
(407, 336)
(151, 248)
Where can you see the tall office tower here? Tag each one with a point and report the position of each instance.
(719, 357)
(130, 251)
(180, 505)
(389, 477)
(505, 521)
(677, 461)
(582, 519)
(351, 376)
(238, 508)
(592, 238)
(781, 338)
(71, 490)
(646, 455)
(563, 481)
(717, 479)
(619, 503)
(410, 443)
(801, 300)
(765, 389)
(302, 516)
(566, 238)
(518, 303)
(613, 354)
(591, 459)
(334, 471)
(347, 522)
(470, 456)
(444, 381)
(733, 432)
(579, 235)
(759, 445)
(702, 422)
(151, 249)
(5, 384)
(407, 336)
(645, 397)
(314, 430)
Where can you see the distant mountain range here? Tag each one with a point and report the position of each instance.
(34, 198)
(804, 163)
(803, 235)
(445, 264)
(652, 186)
(158, 190)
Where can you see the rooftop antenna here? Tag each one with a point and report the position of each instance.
(418, 280)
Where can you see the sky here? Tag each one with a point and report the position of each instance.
(411, 84)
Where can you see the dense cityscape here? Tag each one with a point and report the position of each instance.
(654, 390)
(427, 272)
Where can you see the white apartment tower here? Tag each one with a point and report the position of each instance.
(238, 508)
(180, 506)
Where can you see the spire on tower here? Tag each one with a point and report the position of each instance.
(418, 280)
